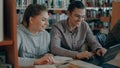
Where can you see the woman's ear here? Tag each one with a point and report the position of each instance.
(30, 19)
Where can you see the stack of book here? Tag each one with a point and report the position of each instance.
(5, 66)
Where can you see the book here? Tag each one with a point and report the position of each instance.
(5, 65)
(81, 64)
(40, 1)
(62, 59)
(2, 56)
(45, 66)
(2, 59)
(24, 3)
(49, 3)
(1, 20)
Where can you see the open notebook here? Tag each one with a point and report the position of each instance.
(59, 61)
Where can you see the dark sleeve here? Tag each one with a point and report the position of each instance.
(113, 36)
(110, 41)
(56, 44)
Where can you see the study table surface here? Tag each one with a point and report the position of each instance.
(115, 61)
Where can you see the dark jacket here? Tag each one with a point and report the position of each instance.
(113, 36)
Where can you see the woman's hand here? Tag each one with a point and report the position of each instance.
(46, 59)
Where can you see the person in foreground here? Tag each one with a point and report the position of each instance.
(33, 40)
(68, 36)
(113, 36)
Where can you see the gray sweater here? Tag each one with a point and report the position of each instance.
(31, 46)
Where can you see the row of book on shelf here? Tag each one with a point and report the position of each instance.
(23, 3)
(49, 3)
(99, 3)
(101, 26)
(64, 3)
(98, 12)
(53, 17)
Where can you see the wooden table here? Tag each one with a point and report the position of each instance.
(115, 62)
(26, 66)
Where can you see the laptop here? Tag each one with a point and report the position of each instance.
(109, 55)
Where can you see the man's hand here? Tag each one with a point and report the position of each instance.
(101, 51)
(85, 55)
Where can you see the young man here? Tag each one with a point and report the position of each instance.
(69, 35)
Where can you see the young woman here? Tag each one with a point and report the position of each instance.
(33, 40)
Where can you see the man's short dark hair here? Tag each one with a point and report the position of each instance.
(75, 4)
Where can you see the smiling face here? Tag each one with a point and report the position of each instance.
(39, 22)
(76, 17)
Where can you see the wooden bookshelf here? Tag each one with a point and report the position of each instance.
(9, 44)
(105, 19)
(115, 13)
(6, 43)
(1, 20)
